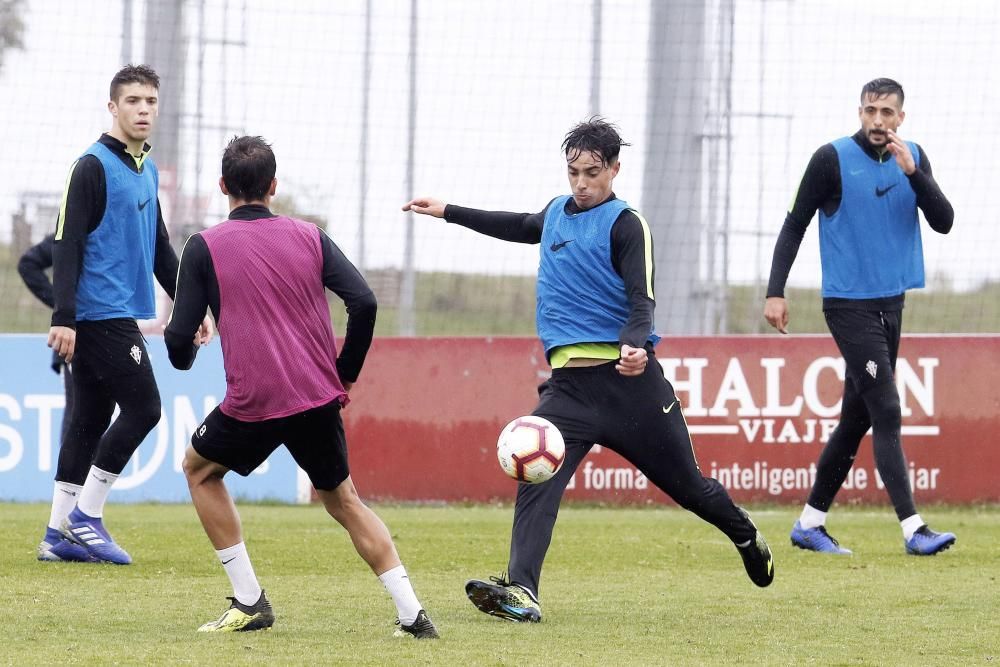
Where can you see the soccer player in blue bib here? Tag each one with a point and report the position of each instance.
(110, 243)
(867, 189)
(594, 315)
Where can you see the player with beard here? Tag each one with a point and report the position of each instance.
(867, 189)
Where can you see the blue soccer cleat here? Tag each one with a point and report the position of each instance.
(925, 542)
(55, 548)
(89, 533)
(816, 539)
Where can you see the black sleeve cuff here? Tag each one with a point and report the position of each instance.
(181, 350)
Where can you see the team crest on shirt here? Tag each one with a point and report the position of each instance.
(136, 354)
(872, 368)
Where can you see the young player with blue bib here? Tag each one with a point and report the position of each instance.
(594, 315)
(110, 242)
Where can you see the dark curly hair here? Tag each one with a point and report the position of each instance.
(596, 136)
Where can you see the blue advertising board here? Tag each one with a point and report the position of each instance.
(31, 412)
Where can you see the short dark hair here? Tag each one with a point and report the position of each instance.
(134, 74)
(881, 88)
(596, 136)
(248, 167)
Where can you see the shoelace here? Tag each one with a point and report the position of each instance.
(500, 580)
(830, 537)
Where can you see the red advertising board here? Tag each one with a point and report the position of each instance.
(424, 418)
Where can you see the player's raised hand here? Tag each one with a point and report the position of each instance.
(776, 313)
(426, 206)
(632, 362)
(901, 151)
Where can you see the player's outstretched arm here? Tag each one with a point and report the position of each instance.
(426, 206)
(516, 227)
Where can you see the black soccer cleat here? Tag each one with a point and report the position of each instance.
(243, 618)
(757, 557)
(504, 600)
(422, 628)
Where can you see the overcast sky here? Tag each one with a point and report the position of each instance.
(498, 86)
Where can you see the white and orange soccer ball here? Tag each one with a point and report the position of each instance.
(531, 449)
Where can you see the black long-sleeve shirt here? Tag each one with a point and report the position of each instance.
(628, 254)
(821, 189)
(198, 289)
(32, 266)
(84, 202)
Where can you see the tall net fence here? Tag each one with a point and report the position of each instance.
(368, 103)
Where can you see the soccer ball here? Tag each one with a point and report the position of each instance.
(531, 449)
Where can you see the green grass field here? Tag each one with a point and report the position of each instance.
(651, 586)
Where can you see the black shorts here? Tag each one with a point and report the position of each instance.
(315, 439)
(869, 342)
(106, 349)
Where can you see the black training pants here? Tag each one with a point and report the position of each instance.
(110, 367)
(869, 343)
(640, 419)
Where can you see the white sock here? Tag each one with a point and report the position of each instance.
(398, 585)
(910, 525)
(236, 562)
(95, 492)
(812, 518)
(64, 497)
